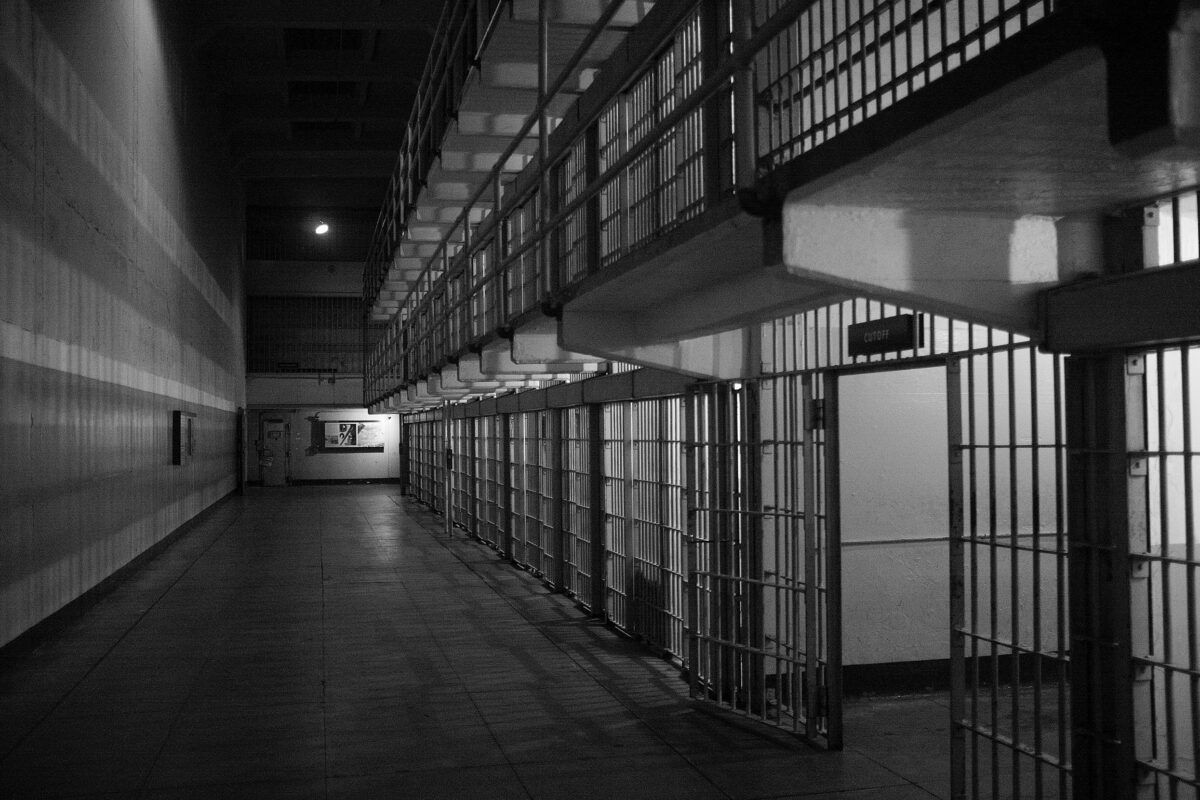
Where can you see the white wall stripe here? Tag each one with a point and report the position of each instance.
(31, 348)
(33, 597)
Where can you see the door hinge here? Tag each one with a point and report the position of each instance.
(816, 415)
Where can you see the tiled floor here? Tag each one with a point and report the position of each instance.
(322, 642)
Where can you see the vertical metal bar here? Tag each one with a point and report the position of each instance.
(558, 477)
(596, 490)
(751, 448)
(504, 490)
(407, 446)
(833, 564)
(715, 117)
(629, 544)
(718, 535)
(993, 555)
(1189, 531)
(1137, 541)
(592, 211)
(448, 481)
(691, 538)
(958, 687)
(1038, 647)
(812, 552)
(1062, 618)
(1015, 588)
(549, 273)
(745, 135)
(1165, 647)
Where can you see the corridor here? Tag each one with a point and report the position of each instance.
(329, 641)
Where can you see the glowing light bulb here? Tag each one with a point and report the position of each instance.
(321, 229)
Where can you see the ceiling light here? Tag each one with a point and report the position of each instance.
(321, 229)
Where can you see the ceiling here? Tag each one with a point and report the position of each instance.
(313, 99)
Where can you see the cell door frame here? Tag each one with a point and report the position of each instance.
(829, 421)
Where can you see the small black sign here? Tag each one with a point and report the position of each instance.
(888, 335)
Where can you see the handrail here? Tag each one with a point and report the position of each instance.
(419, 128)
(716, 81)
(535, 116)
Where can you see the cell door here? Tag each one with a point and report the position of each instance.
(763, 581)
(1009, 639)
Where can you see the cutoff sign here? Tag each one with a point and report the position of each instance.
(887, 335)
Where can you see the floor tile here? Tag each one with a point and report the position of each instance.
(500, 783)
(662, 778)
(331, 642)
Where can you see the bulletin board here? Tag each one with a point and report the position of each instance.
(352, 435)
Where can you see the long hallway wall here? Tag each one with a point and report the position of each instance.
(120, 300)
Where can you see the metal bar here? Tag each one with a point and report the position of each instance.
(833, 565)
(504, 488)
(1015, 587)
(743, 98)
(692, 616)
(549, 274)
(1189, 538)
(812, 552)
(627, 522)
(596, 491)
(448, 481)
(993, 557)
(958, 687)
(558, 478)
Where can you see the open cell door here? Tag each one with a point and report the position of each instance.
(762, 573)
(1009, 636)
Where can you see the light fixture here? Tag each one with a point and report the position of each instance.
(321, 229)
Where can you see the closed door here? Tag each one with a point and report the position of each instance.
(273, 451)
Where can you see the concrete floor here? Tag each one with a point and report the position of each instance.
(322, 642)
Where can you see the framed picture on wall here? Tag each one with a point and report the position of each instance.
(352, 435)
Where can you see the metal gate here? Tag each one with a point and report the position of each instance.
(762, 571)
(1163, 480)
(1010, 654)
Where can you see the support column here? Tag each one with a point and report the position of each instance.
(1103, 427)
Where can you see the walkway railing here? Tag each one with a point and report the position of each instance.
(660, 151)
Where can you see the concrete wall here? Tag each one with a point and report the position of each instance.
(307, 462)
(281, 390)
(120, 299)
(895, 524)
